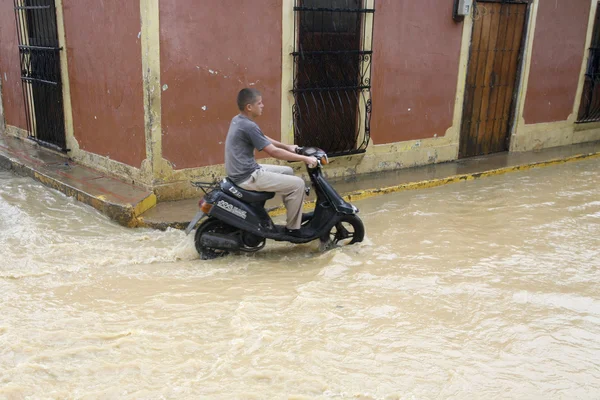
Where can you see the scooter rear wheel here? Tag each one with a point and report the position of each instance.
(348, 230)
(212, 226)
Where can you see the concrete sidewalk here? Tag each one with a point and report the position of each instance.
(119, 200)
(135, 206)
(177, 214)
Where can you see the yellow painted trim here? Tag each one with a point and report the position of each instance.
(16, 132)
(586, 57)
(2, 118)
(367, 193)
(587, 126)
(150, 43)
(519, 122)
(364, 96)
(144, 205)
(23, 38)
(70, 140)
(287, 70)
(452, 134)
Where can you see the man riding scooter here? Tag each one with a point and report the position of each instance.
(243, 137)
(235, 218)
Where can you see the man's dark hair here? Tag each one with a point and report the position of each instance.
(247, 96)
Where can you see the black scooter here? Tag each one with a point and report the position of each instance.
(237, 219)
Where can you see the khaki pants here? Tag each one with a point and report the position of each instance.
(280, 180)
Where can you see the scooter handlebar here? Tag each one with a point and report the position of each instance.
(319, 154)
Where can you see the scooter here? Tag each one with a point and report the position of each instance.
(237, 220)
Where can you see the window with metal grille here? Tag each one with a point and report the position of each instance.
(40, 71)
(589, 109)
(332, 74)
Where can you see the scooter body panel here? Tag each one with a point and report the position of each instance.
(237, 213)
(329, 193)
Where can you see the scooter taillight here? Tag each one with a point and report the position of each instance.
(204, 206)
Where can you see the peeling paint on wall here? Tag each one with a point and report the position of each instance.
(416, 49)
(109, 72)
(198, 75)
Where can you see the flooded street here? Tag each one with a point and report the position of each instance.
(480, 289)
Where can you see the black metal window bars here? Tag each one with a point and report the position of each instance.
(589, 109)
(332, 74)
(40, 71)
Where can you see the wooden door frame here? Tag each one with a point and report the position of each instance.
(512, 116)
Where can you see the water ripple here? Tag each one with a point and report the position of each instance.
(478, 289)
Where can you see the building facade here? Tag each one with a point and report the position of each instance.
(145, 89)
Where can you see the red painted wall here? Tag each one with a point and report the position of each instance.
(10, 69)
(105, 69)
(209, 51)
(415, 69)
(558, 49)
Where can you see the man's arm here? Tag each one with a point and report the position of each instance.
(285, 155)
(279, 145)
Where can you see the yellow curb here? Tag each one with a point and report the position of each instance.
(144, 205)
(367, 193)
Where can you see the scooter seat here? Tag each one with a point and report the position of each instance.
(247, 196)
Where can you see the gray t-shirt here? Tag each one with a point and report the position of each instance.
(243, 137)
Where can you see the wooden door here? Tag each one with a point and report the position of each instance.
(491, 88)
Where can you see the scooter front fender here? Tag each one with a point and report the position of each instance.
(194, 221)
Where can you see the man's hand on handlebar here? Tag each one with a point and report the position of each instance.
(311, 161)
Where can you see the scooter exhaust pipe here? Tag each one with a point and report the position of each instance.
(220, 241)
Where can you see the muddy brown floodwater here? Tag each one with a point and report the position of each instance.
(482, 289)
